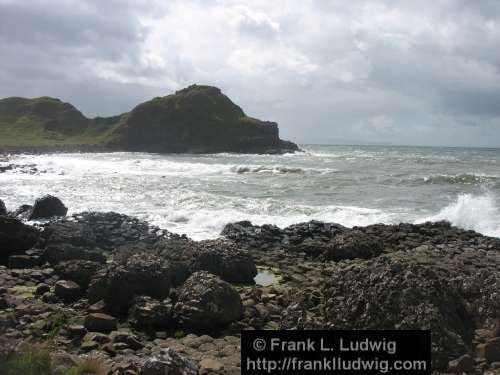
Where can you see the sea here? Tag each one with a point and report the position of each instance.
(198, 194)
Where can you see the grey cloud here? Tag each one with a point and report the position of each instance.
(327, 71)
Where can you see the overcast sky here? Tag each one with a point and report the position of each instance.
(394, 72)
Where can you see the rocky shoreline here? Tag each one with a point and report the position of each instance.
(109, 286)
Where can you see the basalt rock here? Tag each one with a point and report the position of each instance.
(78, 271)
(142, 274)
(406, 292)
(68, 291)
(75, 234)
(206, 302)
(47, 207)
(311, 238)
(168, 362)
(222, 258)
(353, 244)
(15, 237)
(98, 322)
(94, 236)
(225, 260)
(55, 254)
(150, 314)
(23, 261)
(3, 209)
(22, 212)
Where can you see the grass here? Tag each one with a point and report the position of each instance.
(89, 366)
(31, 360)
(23, 291)
(35, 359)
(31, 133)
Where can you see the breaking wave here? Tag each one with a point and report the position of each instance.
(263, 169)
(468, 211)
(461, 179)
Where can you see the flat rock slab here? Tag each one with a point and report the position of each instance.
(99, 322)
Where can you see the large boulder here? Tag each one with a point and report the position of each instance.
(22, 212)
(98, 322)
(16, 237)
(220, 257)
(67, 290)
(141, 274)
(311, 237)
(23, 261)
(353, 244)
(71, 233)
(224, 259)
(79, 271)
(206, 302)
(3, 209)
(47, 207)
(151, 314)
(55, 254)
(402, 292)
(68, 240)
(168, 362)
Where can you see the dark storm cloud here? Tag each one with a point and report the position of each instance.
(328, 71)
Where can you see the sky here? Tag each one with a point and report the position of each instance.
(329, 72)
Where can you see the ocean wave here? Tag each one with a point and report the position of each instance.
(241, 169)
(206, 222)
(461, 179)
(468, 211)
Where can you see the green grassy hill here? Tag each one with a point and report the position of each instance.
(195, 119)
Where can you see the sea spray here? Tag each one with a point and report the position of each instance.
(468, 211)
(199, 194)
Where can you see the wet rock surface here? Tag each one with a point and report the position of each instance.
(205, 302)
(15, 237)
(3, 209)
(146, 295)
(47, 207)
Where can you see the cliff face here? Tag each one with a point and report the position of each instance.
(197, 119)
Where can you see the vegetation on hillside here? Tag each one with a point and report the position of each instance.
(195, 119)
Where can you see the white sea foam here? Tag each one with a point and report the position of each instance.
(198, 195)
(476, 212)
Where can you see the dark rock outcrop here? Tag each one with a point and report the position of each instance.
(3, 209)
(78, 271)
(197, 119)
(67, 290)
(47, 207)
(23, 261)
(55, 254)
(406, 292)
(225, 260)
(206, 302)
(220, 257)
(353, 244)
(15, 237)
(99, 322)
(169, 362)
(93, 236)
(140, 275)
(312, 238)
(22, 213)
(151, 314)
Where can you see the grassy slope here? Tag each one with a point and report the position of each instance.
(23, 122)
(28, 133)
